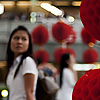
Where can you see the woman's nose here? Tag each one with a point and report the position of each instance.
(20, 41)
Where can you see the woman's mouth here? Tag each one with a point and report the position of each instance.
(18, 47)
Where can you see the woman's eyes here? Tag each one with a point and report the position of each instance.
(17, 38)
(24, 39)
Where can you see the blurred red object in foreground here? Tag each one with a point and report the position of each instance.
(88, 86)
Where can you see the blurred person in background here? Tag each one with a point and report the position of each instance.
(49, 68)
(67, 77)
(46, 85)
(22, 71)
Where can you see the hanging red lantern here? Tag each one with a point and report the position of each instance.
(42, 54)
(60, 51)
(90, 16)
(86, 37)
(72, 37)
(87, 87)
(40, 35)
(71, 51)
(90, 55)
(60, 31)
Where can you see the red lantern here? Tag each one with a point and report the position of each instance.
(71, 51)
(72, 37)
(90, 16)
(86, 37)
(40, 35)
(90, 55)
(42, 54)
(60, 31)
(60, 51)
(87, 87)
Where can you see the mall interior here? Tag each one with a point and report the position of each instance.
(32, 13)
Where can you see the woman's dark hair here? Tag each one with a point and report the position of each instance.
(63, 64)
(10, 53)
(38, 61)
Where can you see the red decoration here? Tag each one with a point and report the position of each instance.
(90, 16)
(71, 51)
(72, 37)
(40, 35)
(90, 55)
(86, 37)
(88, 86)
(60, 51)
(42, 54)
(61, 31)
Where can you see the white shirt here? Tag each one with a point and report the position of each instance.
(65, 92)
(16, 86)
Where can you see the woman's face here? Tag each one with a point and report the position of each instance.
(72, 60)
(19, 42)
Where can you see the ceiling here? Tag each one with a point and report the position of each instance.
(52, 1)
(70, 7)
